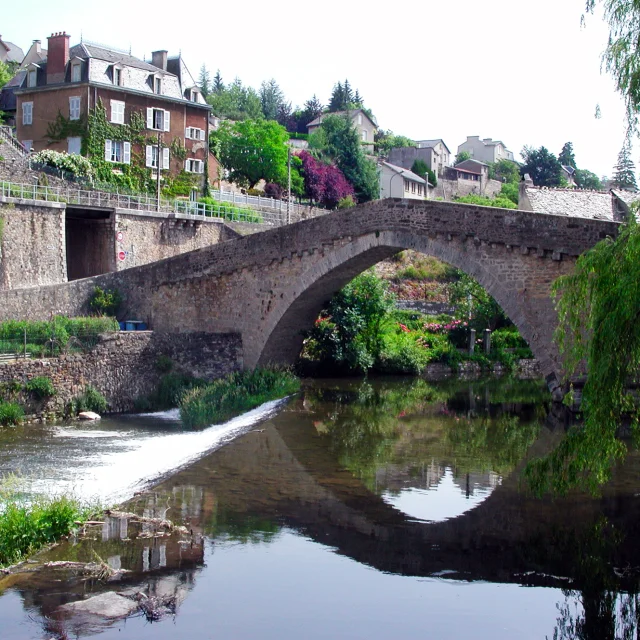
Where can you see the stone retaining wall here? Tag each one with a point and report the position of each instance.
(525, 369)
(123, 366)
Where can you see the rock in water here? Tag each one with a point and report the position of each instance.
(88, 415)
(106, 605)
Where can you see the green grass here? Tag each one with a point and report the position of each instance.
(48, 338)
(11, 414)
(238, 392)
(28, 525)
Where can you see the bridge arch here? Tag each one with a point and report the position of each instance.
(505, 273)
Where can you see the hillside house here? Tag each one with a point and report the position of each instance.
(486, 150)
(365, 126)
(398, 182)
(440, 154)
(144, 102)
(10, 52)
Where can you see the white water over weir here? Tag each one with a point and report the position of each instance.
(113, 460)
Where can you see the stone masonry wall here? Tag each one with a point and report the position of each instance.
(449, 189)
(32, 245)
(149, 237)
(123, 366)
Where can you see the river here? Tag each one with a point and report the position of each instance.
(356, 509)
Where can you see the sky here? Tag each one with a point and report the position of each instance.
(523, 73)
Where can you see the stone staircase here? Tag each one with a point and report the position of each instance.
(11, 148)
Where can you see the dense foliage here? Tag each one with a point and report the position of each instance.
(598, 329)
(337, 140)
(105, 302)
(501, 201)
(360, 330)
(387, 140)
(252, 150)
(323, 182)
(542, 166)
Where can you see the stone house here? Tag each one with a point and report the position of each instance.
(398, 182)
(569, 174)
(486, 150)
(365, 126)
(160, 100)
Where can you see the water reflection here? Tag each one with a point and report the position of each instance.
(408, 486)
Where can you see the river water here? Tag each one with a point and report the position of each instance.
(357, 509)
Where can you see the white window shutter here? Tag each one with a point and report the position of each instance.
(200, 166)
(186, 165)
(126, 152)
(167, 121)
(186, 133)
(165, 158)
(149, 118)
(107, 150)
(149, 154)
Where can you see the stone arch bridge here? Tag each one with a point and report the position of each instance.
(270, 286)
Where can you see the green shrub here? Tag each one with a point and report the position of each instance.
(401, 353)
(90, 400)
(106, 302)
(11, 414)
(164, 364)
(41, 387)
(238, 392)
(231, 212)
(346, 203)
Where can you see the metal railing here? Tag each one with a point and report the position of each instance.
(228, 206)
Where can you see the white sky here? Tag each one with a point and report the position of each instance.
(524, 73)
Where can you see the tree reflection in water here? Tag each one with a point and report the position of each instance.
(371, 426)
(601, 609)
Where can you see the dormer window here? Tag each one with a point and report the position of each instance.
(157, 85)
(194, 95)
(76, 72)
(32, 78)
(117, 76)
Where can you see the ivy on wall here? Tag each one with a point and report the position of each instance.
(132, 176)
(62, 128)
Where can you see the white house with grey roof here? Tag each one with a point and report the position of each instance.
(397, 182)
(364, 124)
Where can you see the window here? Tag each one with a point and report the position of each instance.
(193, 133)
(75, 72)
(419, 189)
(359, 118)
(117, 151)
(27, 144)
(194, 95)
(152, 156)
(74, 108)
(413, 187)
(157, 86)
(194, 166)
(406, 185)
(364, 136)
(32, 78)
(27, 113)
(74, 145)
(117, 112)
(158, 119)
(117, 77)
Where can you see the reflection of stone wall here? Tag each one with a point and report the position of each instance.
(123, 366)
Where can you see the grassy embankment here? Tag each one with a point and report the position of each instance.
(27, 525)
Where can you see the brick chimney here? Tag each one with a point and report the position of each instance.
(159, 59)
(57, 57)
